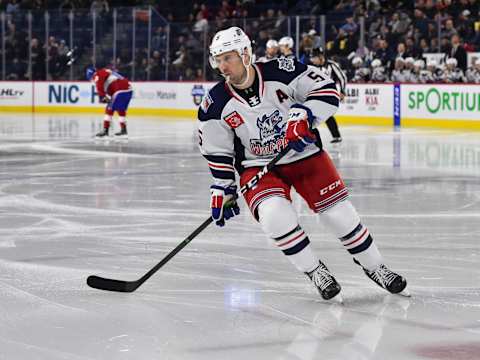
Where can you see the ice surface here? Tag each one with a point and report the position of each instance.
(71, 207)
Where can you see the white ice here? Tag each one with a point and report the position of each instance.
(71, 207)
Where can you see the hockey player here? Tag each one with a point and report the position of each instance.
(419, 73)
(332, 70)
(378, 71)
(433, 72)
(398, 74)
(286, 47)
(250, 116)
(452, 73)
(271, 51)
(115, 91)
(408, 72)
(361, 74)
(473, 72)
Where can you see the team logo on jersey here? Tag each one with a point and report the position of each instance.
(272, 135)
(286, 64)
(206, 102)
(197, 93)
(234, 120)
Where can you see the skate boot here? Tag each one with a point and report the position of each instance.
(326, 284)
(336, 140)
(387, 279)
(102, 134)
(122, 134)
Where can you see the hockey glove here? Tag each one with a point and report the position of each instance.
(300, 121)
(105, 99)
(223, 204)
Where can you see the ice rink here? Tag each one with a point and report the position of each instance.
(71, 207)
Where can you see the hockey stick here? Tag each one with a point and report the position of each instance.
(101, 283)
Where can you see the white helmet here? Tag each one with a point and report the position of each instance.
(272, 43)
(357, 60)
(419, 63)
(410, 60)
(451, 61)
(286, 41)
(376, 63)
(228, 40)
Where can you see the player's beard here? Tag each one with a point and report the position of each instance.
(243, 79)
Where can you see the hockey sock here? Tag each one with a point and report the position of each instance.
(344, 222)
(123, 122)
(106, 121)
(279, 222)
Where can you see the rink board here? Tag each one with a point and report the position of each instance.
(437, 106)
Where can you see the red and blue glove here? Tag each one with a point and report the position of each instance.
(223, 203)
(300, 121)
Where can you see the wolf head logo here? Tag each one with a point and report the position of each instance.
(269, 126)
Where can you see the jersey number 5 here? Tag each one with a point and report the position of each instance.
(315, 76)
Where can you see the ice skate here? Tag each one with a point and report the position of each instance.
(324, 281)
(336, 140)
(102, 134)
(387, 279)
(122, 134)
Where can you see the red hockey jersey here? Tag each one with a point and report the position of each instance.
(108, 82)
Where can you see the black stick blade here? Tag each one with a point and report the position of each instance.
(100, 283)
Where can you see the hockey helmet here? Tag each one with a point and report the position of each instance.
(357, 60)
(286, 41)
(272, 44)
(419, 64)
(409, 60)
(452, 61)
(231, 39)
(89, 72)
(376, 63)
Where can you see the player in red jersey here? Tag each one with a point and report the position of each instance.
(114, 90)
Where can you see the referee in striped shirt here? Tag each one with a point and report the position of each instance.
(333, 71)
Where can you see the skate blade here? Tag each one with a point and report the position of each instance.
(338, 299)
(404, 293)
(105, 138)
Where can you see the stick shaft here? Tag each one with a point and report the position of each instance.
(129, 286)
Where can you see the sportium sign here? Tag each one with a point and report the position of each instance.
(441, 101)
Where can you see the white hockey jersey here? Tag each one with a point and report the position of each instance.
(473, 75)
(237, 134)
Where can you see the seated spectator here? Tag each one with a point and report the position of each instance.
(449, 29)
(350, 26)
(201, 23)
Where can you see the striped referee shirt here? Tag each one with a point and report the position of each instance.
(333, 71)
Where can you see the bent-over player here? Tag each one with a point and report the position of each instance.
(115, 91)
